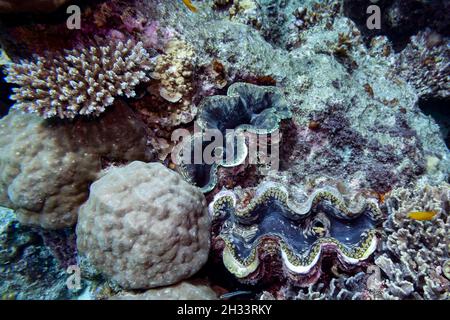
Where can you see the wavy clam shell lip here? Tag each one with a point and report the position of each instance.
(202, 174)
(246, 108)
(271, 220)
(297, 265)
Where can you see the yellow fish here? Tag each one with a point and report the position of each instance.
(189, 4)
(422, 215)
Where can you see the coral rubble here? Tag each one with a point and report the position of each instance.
(28, 269)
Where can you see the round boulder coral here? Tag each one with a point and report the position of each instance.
(46, 167)
(143, 226)
(180, 291)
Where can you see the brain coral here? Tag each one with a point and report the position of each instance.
(144, 226)
(46, 167)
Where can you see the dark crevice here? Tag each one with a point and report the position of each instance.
(439, 110)
(401, 19)
(5, 92)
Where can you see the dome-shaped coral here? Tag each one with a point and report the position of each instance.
(46, 167)
(144, 226)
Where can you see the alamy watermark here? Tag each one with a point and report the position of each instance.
(374, 20)
(74, 20)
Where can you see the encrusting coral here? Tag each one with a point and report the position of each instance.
(46, 166)
(143, 226)
(174, 70)
(80, 81)
(415, 252)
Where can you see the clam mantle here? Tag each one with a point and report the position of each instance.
(273, 226)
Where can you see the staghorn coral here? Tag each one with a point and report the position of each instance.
(415, 252)
(143, 226)
(296, 228)
(181, 291)
(80, 82)
(425, 64)
(46, 166)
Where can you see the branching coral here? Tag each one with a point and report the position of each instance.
(415, 251)
(425, 63)
(340, 288)
(80, 82)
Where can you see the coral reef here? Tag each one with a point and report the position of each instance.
(299, 229)
(354, 117)
(181, 291)
(143, 226)
(425, 64)
(415, 252)
(46, 167)
(78, 82)
(246, 108)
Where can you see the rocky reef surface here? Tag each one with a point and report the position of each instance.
(357, 207)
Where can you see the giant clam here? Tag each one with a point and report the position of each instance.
(246, 109)
(288, 233)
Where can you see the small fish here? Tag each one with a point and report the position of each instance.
(234, 294)
(190, 6)
(422, 215)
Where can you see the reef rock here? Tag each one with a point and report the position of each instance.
(28, 269)
(143, 226)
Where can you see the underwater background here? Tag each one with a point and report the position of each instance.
(334, 186)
